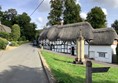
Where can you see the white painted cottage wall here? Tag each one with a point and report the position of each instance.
(96, 49)
(93, 50)
(86, 48)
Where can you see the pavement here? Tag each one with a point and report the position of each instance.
(21, 65)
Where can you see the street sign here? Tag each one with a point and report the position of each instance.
(90, 70)
(100, 69)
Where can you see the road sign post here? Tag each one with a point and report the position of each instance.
(90, 70)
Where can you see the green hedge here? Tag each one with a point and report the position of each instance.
(3, 43)
(4, 35)
(14, 43)
(22, 42)
(17, 43)
(23, 38)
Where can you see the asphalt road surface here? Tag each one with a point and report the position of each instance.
(21, 65)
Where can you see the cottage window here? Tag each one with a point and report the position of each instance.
(102, 54)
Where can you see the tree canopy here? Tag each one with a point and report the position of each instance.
(8, 17)
(96, 18)
(55, 12)
(11, 17)
(67, 10)
(71, 12)
(115, 25)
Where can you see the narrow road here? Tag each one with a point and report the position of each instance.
(21, 65)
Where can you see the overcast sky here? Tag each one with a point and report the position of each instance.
(110, 8)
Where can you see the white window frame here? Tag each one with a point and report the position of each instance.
(102, 54)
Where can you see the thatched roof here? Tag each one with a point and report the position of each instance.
(4, 28)
(43, 34)
(71, 32)
(53, 33)
(104, 36)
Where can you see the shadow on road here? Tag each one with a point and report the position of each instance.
(23, 74)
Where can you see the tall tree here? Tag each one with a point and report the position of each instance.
(8, 17)
(1, 13)
(5, 19)
(0, 8)
(15, 32)
(55, 12)
(23, 20)
(71, 12)
(27, 28)
(29, 31)
(115, 25)
(12, 13)
(96, 18)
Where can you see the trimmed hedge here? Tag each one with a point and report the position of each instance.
(3, 43)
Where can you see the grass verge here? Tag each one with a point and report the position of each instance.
(66, 72)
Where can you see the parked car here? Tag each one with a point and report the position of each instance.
(34, 43)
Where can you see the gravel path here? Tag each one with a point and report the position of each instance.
(21, 65)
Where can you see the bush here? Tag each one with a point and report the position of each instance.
(14, 43)
(15, 32)
(22, 42)
(23, 38)
(3, 43)
(17, 43)
(4, 35)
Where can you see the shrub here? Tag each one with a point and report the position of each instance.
(4, 35)
(15, 32)
(23, 38)
(14, 43)
(22, 42)
(3, 43)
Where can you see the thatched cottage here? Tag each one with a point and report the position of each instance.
(100, 44)
(4, 28)
(103, 46)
